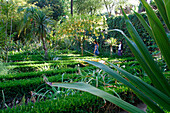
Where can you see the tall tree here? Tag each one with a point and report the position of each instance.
(72, 7)
(88, 6)
(57, 6)
(38, 21)
(7, 14)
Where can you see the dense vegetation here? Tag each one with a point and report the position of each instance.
(47, 60)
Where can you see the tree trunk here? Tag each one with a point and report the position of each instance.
(81, 48)
(72, 7)
(6, 41)
(111, 50)
(44, 46)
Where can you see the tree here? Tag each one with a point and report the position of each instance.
(88, 6)
(36, 20)
(57, 6)
(7, 13)
(42, 22)
(72, 7)
(111, 42)
(81, 28)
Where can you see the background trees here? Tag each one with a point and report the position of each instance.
(87, 6)
(81, 28)
(56, 6)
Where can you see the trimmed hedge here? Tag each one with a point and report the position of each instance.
(27, 75)
(39, 62)
(78, 103)
(34, 67)
(24, 86)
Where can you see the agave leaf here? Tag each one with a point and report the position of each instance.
(167, 6)
(163, 9)
(159, 33)
(115, 75)
(148, 58)
(88, 88)
(150, 91)
(140, 58)
(145, 24)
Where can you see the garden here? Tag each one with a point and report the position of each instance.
(84, 56)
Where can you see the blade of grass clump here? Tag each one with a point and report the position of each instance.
(158, 31)
(145, 24)
(115, 75)
(88, 88)
(148, 58)
(150, 91)
(163, 9)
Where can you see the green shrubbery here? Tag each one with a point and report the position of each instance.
(118, 22)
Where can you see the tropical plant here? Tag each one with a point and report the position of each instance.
(38, 21)
(157, 97)
(111, 42)
(54, 6)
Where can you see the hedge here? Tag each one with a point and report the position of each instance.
(24, 86)
(27, 75)
(118, 22)
(34, 67)
(40, 62)
(78, 103)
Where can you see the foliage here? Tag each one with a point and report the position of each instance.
(87, 6)
(80, 28)
(3, 69)
(119, 23)
(159, 93)
(111, 42)
(73, 103)
(56, 6)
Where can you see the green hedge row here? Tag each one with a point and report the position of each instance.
(22, 57)
(39, 62)
(35, 67)
(78, 103)
(27, 75)
(24, 86)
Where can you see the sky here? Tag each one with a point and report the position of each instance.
(133, 2)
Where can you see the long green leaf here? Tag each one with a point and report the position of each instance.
(159, 33)
(163, 9)
(140, 58)
(88, 88)
(150, 91)
(167, 6)
(144, 23)
(148, 58)
(115, 75)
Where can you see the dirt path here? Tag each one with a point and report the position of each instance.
(141, 106)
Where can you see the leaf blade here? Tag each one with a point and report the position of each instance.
(88, 88)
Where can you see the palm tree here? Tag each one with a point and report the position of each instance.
(38, 22)
(111, 42)
(41, 26)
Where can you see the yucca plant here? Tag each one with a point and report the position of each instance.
(157, 97)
